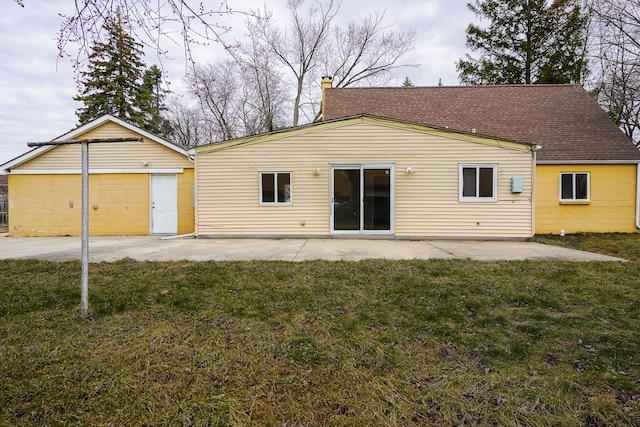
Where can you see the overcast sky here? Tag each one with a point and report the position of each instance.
(37, 89)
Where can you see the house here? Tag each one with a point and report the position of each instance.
(366, 176)
(587, 171)
(475, 162)
(4, 205)
(135, 188)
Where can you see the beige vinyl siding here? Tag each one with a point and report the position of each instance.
(109, 130)
(426, 202)
(120, 155)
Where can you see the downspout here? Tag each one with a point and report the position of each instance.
(196, 209)
(534, 176)
(638, 196)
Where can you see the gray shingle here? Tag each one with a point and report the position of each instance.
(564, 119)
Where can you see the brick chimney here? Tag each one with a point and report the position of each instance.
(327, 82)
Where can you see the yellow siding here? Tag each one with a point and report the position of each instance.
(186, 211)
(120, 155)
(426, 203)
(612, 205)
(51, 205)
(43, 204)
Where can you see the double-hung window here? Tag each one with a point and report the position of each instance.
(275, 188)
(478, 183)
(574, 186)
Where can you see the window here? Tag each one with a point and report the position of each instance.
(275, 187)
(478, 183)
(574, 186)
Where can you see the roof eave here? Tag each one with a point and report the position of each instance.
(23, 158)
(246, 140)
(106, 118)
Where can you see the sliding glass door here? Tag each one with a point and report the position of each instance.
(362, 198)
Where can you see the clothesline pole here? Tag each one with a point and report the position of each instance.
(84, 251)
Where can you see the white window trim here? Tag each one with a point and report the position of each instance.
(276, 202)
(588, 199)
(361, 167)
(476, 199)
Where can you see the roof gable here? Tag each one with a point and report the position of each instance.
(563, 119)
(354, 120)
(86, 129)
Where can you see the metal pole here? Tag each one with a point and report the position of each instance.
(84, 295)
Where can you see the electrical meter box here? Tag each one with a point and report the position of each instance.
(516, 184)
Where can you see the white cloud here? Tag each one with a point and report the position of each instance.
(36, 102)
(37, 90)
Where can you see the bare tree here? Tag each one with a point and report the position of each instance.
(265, 94)
(314, 45)
(216, 86)
(188, 124)
(623, 15)
(155, 24)
(241, 97)
(273, 71)
(365, 53)
(616, 52)
(298, 48)
(365, 50)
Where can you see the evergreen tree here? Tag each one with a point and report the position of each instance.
(150, 101)
(526, 41)
(407, 82)
(112, 82)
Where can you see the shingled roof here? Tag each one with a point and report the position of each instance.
(564, 119)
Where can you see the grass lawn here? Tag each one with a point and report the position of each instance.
(371, 343)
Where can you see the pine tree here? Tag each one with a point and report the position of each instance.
(526, 41)
(112, 82)
(407, 82)
(150, 101)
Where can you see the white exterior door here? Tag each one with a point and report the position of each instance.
(164, 204)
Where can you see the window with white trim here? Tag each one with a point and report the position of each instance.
(478, 183)
(275, 188)
(574, 186)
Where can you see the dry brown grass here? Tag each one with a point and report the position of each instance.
(372, 343)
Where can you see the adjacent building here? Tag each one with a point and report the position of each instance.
(366, 176)
(468, 162)
(135, 188)
(587, 174)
